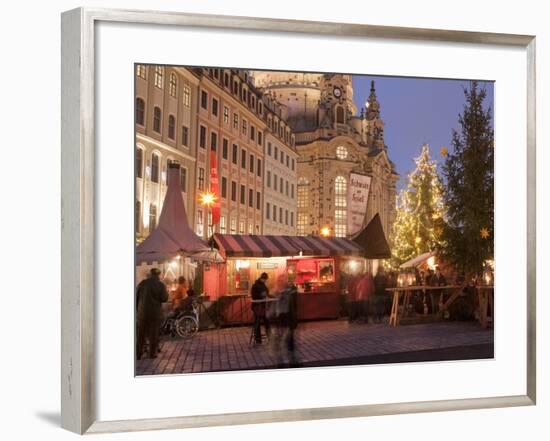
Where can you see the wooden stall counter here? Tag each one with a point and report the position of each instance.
(237, 309)
(318, 305)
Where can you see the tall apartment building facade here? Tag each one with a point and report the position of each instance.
(280, 180)
(196, 115)
(230, 124)
(165, 122)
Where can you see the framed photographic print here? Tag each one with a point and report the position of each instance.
(292, 207)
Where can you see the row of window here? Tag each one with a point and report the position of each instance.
(248, 161)
(254, 199)
(152, 217)
(302, 203)
(280, 130)
(141, 71)
(280, 184)
(153, 169)
(274, 124)
(223, 225)
(157, 122)
(340, 206)
(245, 95)
(233, 226)
(235, 85)
(227, 192)
(271, 214)
(256, 135)
(279, 155)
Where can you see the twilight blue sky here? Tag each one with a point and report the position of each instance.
(416, 111)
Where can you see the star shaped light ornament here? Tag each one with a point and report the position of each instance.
(444, 152)
(484, 232)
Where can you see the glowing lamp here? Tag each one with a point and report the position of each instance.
(207, 199)
(325, 231)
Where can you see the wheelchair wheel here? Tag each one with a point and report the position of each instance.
(186, 326)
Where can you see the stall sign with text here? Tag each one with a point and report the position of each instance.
(358, 195)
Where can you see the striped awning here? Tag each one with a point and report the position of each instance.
(236, 245)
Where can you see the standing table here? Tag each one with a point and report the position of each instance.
(407, 291)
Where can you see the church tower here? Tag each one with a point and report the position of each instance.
(375, 125)
(334, 143)
(336, 107)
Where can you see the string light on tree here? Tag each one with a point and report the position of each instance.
(420, 212)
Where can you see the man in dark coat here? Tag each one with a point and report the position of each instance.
(438, 279)
(150, 295)
(259, 293)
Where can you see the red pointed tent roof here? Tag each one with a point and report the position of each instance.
(172, 234)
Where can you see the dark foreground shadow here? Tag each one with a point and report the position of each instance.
(456, 353)
(52, 418)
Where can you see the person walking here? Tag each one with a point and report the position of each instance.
(287, 315)
(150, 295)
(353, 295)
(260, 293)
(439, 279)
(365, 288)
(380, 285)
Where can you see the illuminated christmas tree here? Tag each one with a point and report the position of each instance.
(418, 227)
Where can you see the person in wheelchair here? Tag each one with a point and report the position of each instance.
(182, 299)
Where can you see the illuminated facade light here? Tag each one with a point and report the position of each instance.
(207, 199)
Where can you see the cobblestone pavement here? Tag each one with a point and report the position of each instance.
(229, 348)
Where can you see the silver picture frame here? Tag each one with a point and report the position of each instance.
(78, 395)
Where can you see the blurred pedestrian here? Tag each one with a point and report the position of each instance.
(151, 293)
(356, 299)
(260, 293)
(380, 285)
(430, 281)
(438, 279)
(365, 289)
(287, 318)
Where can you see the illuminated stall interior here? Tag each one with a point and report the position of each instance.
(313, 264)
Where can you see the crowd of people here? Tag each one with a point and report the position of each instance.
(368, 299)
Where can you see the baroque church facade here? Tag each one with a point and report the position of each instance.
(333, 141)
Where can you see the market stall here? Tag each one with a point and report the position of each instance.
(172, 246)
(314, 264)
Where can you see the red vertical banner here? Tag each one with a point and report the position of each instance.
(215, 188)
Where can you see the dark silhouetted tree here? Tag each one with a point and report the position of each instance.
(469, 172)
